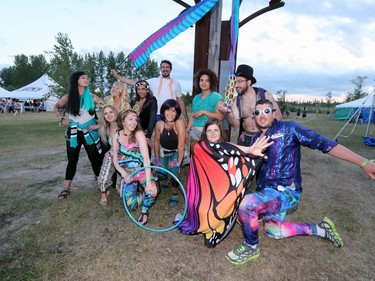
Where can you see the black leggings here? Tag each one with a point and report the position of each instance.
(95, 158)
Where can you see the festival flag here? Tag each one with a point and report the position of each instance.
(176, 26)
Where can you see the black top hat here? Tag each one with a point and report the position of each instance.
(246, 71)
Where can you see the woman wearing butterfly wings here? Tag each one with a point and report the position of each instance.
(219, 175)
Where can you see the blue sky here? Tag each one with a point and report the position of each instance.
(308, 48)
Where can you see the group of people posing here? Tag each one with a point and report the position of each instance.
(120, 146)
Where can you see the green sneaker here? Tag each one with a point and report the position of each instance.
(242, 254)
(331, 232)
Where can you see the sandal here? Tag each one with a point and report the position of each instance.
(64, 194)
(143, 218)
(103, 200)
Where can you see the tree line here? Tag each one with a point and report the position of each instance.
(63, 61)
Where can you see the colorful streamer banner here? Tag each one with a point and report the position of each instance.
(234, 26)
(176, 26)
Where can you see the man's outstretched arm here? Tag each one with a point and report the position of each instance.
(346, 154)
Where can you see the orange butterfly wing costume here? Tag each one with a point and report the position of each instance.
(218, 178)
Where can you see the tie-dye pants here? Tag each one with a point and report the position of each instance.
(270, 205)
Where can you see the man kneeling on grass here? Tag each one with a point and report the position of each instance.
(279, 184)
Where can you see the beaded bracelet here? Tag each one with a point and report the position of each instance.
(364, 163)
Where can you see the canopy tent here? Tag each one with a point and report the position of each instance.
(50, 103)
(39, 89)
(346, 111)
(4, 93)
(351, 111)
(35, 90)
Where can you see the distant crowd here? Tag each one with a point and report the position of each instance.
(15, 106)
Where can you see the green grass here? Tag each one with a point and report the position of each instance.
(43, 238)
(30, 129)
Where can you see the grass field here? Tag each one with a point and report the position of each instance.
(43, 238)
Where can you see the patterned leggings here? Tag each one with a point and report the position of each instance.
(271, 206)
(132, 199)
(106, 175)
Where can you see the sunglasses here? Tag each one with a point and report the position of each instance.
(266, 111)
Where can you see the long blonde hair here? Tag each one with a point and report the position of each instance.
(124, 96)
(105, 128)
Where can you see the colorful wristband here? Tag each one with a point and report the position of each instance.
(364, 163)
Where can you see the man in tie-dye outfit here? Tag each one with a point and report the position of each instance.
(279, 184)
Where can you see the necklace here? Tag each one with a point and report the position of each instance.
(125, 134)
(169, 127)
(113, 126)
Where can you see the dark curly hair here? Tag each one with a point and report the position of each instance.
(211, 76)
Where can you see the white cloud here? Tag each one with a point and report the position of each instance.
(305, 47)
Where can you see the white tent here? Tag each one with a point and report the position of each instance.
(4, 93)
(363, 102)
(50, 103)
(37, 90)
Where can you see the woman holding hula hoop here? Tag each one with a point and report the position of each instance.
(130, 152)
(117, 101)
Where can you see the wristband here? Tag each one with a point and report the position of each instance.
(153, 179)
(175, 164)
(157, 161)
(364, 163)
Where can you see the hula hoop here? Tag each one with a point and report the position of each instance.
(182, 190)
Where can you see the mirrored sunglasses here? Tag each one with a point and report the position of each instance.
(266, 111)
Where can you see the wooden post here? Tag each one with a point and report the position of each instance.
(214, 45)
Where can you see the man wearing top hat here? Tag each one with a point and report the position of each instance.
(241, 113)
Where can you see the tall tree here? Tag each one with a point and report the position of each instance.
(25, 70)
(63, 62)
(148, 70)
(329, 99)
(6, 76)
(281, 97)
(358, 92)
(21, 75)
(39, 66)
(101, 83)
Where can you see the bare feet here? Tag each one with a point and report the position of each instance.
(104, 199)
